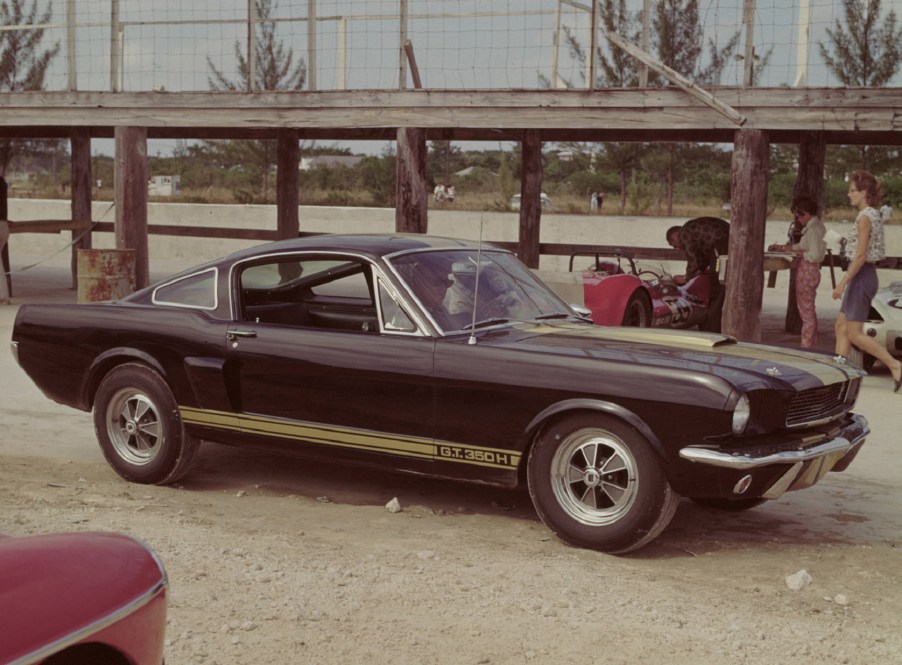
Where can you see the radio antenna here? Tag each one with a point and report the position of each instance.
(472, 339)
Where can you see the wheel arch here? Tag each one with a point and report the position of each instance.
(608, 298)
(110, 359)
(567, 408)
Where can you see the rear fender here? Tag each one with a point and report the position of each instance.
(106, 361)
(607, 297)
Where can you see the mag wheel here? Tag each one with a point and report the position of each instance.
(637, 313)
(596, 482)
(139, 428)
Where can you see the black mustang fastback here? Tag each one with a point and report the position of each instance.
(448, 358)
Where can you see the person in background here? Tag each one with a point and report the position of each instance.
(865, 247)
(810, 250)
(593, 202)
(886, 211)
(703, 240)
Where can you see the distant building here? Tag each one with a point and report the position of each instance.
(164, 185)
(329, 161)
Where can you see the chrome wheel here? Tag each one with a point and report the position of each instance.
(594, 477)
(134, 427)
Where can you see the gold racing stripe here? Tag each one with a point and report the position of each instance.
(716, 343)
(357, 439)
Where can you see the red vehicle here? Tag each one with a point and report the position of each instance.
(70, 599)
(620, 292)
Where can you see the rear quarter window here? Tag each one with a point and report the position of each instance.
(197, 291)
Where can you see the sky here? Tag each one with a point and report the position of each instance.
(458, 44)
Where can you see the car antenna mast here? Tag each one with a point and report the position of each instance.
(472, 339)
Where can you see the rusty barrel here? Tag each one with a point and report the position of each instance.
(105, 274)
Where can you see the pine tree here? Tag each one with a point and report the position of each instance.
(868, 51)
(274, 70)
(23, 66)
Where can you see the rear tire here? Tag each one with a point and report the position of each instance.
(637, 313)
(139, 427)
(596, 482)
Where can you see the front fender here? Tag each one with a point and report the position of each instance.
(597, 405)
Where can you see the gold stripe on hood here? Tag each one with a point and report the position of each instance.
(664, 337)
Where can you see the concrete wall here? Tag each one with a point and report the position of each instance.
(499, 226)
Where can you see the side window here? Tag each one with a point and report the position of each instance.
(195, 291)
(394, 318)
(329, 293)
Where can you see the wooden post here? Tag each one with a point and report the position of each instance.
(809, 182)
(82, 186)
(410, 181)
(530, 199)
(287, 184)
(130, 185)
(745, 266)
(4, 250)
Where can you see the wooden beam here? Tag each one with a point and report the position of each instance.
(130, 186)
(744, 286)
(530, 199)
(850, 110)
(287, 184)
(678, 79)
(82, 188)
(410, 185)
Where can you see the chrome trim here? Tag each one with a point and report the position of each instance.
(782, 485)
(167, 303)
(741, 462)
(82, 634)
(377, 273)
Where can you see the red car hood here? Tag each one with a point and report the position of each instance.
(64, 587)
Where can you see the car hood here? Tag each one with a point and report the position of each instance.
(745, 365)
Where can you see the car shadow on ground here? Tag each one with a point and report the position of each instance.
(226, 468)
(695, 530)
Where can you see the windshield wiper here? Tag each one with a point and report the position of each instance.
(485, 323)
(573, 317)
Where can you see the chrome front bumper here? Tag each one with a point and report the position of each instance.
(807, 465)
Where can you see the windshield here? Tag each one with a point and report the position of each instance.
(445, 284)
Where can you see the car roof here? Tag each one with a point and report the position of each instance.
(369, 244)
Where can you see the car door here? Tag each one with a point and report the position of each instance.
(312, 367)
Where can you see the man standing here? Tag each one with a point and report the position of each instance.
(703, 240)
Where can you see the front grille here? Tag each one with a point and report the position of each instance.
(816, 404)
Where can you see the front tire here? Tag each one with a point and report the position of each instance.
(139, 428)
(596, 482)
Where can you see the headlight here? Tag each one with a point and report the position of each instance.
(741, 414)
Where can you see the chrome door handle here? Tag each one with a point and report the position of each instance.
(235, 334)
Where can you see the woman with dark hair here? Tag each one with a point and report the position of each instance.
(810, 250)
(866, 246)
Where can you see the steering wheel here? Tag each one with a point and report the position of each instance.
(648, 272)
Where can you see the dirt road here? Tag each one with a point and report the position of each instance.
(274, 560)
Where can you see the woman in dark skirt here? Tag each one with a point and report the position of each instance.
(857, 287)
